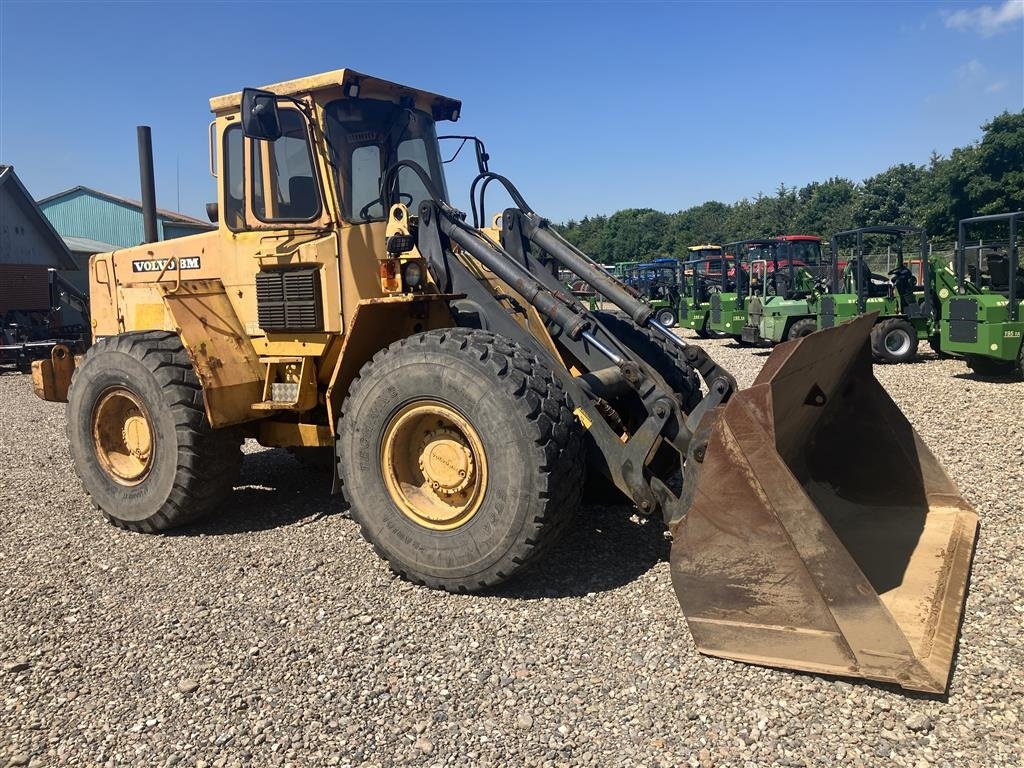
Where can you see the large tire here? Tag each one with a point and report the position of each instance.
(801, 328)
(662, 355)
(164, 466)
(501, 407)
(894, 341)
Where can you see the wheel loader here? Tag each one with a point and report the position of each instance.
(344, 304)
(728, 313)
(698, 282)
(982, 299)
(780, 310)
(904, 308)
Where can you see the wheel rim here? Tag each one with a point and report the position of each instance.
(434, 465)
(123, 436)
(666, 318)
(897, 341)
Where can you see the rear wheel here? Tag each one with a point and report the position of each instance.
(666, 316)
(802, 328)
(461, 457)
(894, 341)
(139, 436)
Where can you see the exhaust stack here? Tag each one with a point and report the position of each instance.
(148, 186)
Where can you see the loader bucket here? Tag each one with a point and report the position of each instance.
(822, 534)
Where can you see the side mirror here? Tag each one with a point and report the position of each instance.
(260, 119)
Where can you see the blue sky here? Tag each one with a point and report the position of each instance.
(588, 107)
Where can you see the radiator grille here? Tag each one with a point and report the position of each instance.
(289, 300)
(828, 312)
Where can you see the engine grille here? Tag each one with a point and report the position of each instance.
(828, 311)
(963, 320)
(289, 300)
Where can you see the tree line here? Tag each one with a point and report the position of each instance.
(982, 178)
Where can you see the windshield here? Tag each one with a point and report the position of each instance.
(368, 136)
(804, 251)
(704, 253)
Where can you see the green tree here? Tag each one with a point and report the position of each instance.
(894, 196)
(981, 178)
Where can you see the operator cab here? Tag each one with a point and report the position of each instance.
(309, 152)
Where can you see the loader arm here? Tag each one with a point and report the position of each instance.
(606, 367)
(812, 529)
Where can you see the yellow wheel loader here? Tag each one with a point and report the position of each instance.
(344, 305)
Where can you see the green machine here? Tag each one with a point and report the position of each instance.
(623, 269)
(981, 314)
(698, 282)
(906, 310)
(782, 289)
(658, 283)
(728, 313)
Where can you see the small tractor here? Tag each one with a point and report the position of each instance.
(343, 304)
(903, 307)
(982, 314)
(658, 283)
(728, 313)
(698, 281)
(780, 307)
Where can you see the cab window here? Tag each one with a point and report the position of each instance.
(234, 186)
(284, 184)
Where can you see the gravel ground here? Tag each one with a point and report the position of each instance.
(272, 635)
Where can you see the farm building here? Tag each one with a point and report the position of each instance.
(83, 212)
(29, 248)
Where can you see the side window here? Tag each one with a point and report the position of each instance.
(284, 184)
(366, 179)
(232, 178)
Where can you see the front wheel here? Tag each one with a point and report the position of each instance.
(461, 457)
(801, 328)
(666, 316)
(894, 341)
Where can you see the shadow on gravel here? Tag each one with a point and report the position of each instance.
(275, 491)
(603, 549)
(986, 379)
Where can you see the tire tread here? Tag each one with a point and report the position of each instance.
(556, 456)
(209, 460)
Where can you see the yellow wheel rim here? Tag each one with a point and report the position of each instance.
(434, 465)
(122, 436)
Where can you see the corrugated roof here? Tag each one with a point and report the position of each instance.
(45, 228)
(87, 245)
(179, 218)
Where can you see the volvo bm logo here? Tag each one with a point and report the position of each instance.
(157, 265)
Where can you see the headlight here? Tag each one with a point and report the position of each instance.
(412, 275)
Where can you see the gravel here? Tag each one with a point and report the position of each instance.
(271, 634)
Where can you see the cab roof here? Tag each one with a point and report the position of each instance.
(703, 247)
(343, 79)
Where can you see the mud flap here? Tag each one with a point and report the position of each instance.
(822, 534)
